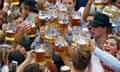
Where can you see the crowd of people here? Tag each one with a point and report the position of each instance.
(101, 53)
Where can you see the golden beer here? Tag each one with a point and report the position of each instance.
(75, 21)
(15, 2)
(43, 20)
(73, 42)
(63, 26)
(10, 35)
(48, 57)
(65, 69)
(32, 33)
(60, 48)
(82, 43)
(40, 56)
(98, 3)
(48, 38)
(52, 20)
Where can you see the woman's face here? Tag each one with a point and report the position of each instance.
(110, 46)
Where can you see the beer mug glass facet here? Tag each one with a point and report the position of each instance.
(98, 3)
(40, 55)
(75, 19)
(43, 16)
(32, 33)
(10, 32)
(15, 2)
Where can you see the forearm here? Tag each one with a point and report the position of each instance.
(86, 11)
(23, 65)
(108, 59)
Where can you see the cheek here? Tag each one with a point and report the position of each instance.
(113, 51)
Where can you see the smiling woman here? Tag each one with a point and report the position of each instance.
(112, 45)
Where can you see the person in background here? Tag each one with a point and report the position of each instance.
(116, 3)
(81, 59)
(4, 52)
(22, 29)
(3, 19)
(118, 55)
(1, 4)
(108, 57)
(100, 28)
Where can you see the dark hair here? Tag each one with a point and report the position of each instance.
(113, 1)
(2, 3)
(81, 58)
(16, 56)
(32, 68)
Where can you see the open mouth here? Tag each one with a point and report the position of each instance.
(107, 49)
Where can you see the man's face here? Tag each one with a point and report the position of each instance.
(70, 4)
(97, 31)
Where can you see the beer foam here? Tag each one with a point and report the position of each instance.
(40, 50)
(62, 22)
(76, 17)
(98, 1)
(42, 17)
(59, 45)
(10, 31)
(81, 41)
(48, 37)
(64, 68)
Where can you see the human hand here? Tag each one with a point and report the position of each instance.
(92, 45)
(27, 26)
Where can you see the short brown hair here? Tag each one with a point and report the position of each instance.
(14, 15)
(81, 58)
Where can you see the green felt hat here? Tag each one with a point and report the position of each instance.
(100, 20)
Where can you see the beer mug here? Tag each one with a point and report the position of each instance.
(48, 54)
(63, 22)
(10, 31)
(15, 2)
(75, 21)
(59, 45)
(76, 32)
(52, 16)
(82, 42)
(32, 32)
(39, 54)
(43, 17)
(50, 33)
(65, 69)
(98, 3)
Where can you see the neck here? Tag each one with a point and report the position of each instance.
(101, 40)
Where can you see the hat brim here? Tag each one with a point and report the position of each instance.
(98, 23)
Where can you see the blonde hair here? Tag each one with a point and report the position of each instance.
(14, 15)
(40, 4)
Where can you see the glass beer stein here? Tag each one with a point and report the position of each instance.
(10, 31)
(65, 69)
(75, 21)
(32, 33)
(43, 17)
(14, 2)
(52, 17)
(63, 22)
(98, 3)
(59, 45)
(50, 33)
(39, 54)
